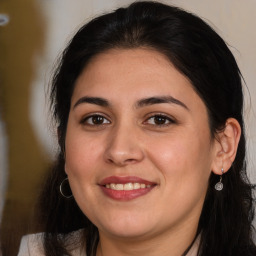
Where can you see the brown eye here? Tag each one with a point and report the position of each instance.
(159, 120)
(96, 120)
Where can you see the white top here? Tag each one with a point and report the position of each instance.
(32, 245)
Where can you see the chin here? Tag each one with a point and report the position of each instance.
(127, 233)
(126, 228)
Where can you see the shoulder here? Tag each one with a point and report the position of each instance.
(33, 245)
(194, 249)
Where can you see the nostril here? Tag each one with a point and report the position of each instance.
(130, 160)
(110, 161)
(121, 161)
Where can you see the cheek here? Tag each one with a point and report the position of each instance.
(182, 159)
(82, 160)
(82, 154)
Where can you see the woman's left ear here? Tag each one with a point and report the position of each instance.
(226, 143)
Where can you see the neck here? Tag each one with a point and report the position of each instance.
(164, 244)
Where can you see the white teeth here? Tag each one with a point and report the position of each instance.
(119, 187)
(142, 185)
(127, 186)
(136, 185)
(113, 186)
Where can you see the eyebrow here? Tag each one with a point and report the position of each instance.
(92, 100)
(141, 103)
(159, 100)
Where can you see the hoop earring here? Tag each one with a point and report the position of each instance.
(61, 190)
(219, 185)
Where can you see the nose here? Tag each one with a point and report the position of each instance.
(124, 146)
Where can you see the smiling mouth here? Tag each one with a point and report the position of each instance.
(126, 188)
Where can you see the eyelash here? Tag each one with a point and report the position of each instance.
(89, 120)
(85, 120)
(163, 117)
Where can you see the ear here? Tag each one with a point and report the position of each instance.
(226, 144)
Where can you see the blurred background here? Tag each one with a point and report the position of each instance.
(32, 35)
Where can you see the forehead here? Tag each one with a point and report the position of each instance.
(129, 70)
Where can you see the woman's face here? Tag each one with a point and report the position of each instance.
(138, 146)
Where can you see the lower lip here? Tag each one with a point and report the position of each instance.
(125, 195)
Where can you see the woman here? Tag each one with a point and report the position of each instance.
(148, 102)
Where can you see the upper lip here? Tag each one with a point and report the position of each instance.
(124, 180)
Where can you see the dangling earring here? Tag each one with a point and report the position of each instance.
(219, 185)
(61, 190)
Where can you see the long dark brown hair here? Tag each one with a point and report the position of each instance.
(200, 54)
